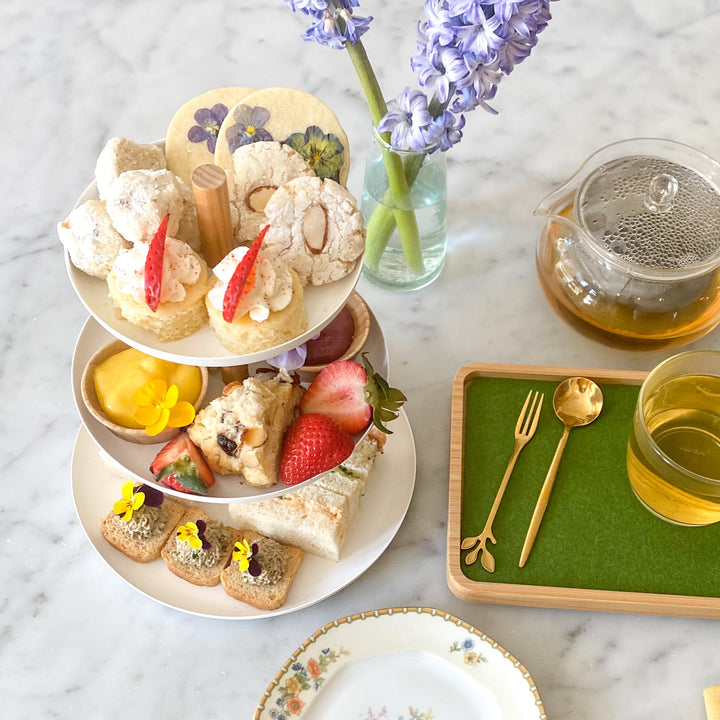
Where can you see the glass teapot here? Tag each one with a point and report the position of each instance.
(630, 250)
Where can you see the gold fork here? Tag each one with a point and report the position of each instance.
(524, 430)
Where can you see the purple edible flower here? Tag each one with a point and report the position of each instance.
(208, 125)
(153, 496)
(202, 527)
(290, 360)
(248, 127)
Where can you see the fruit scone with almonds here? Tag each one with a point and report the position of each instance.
(241, 432)
(256, 302)
(160, 286)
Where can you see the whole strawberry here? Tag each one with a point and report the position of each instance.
(353, 395)
(313, 444)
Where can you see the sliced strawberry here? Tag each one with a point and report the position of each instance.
(243, 279)
(154, 265)
(353, 396)
(313, 444)
(180, 465)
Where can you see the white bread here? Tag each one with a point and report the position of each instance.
(119, 533)
(268, 595)
(315, 517)
(201, 567)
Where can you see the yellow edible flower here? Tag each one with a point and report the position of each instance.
(242, 554)
(190, 534)
(130, 502)
(157, 407)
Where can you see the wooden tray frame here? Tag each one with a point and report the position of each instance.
(535, 595)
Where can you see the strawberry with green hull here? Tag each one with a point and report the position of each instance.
(181, 466)
(313, 444)
(353, 395)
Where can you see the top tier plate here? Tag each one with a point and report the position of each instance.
(322, 304)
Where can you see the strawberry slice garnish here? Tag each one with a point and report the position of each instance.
(180, 465)
(154, 265)
(243, 279)
(313, 444)
(353, 395)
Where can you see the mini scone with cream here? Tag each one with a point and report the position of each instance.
(241, 431)
(316, 228)
(270, 309)
(180, 308)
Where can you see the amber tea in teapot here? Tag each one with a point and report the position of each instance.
(630, 251)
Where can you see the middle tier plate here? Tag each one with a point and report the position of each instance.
(136, 458)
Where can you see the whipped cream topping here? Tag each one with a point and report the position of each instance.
(180, 267)
(272, 291)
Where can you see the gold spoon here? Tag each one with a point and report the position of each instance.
(577, 401)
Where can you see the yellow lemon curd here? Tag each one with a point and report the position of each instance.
(119, 376)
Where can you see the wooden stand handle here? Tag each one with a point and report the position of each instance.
(213, 212)
(712, 702)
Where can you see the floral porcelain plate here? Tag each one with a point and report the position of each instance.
(322, 304)
(136, 458)
(401, 664)
(97, 482)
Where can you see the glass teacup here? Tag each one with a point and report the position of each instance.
(673, 457)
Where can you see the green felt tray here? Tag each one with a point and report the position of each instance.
(597, 547)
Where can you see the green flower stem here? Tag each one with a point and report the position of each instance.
(386, 217)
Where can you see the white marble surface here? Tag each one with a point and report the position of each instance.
(75, 641)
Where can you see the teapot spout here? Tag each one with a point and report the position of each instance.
(558, 201)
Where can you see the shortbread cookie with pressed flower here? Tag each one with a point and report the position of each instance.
(199, 548)
(138, 200)
(259, 170)
(316, 228)
(192, 134)
(120, 155)
(90, 238)
(291, 117)
(184, 284)
(241, 431)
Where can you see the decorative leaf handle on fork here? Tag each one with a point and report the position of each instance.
(524, 430)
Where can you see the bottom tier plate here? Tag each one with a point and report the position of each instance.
(96, 485)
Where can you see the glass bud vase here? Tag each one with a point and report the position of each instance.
(404, 203)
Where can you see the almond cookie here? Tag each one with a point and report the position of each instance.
(90, 238)
(138, 200)
(259, 169)
(316, 228)
(120, 155)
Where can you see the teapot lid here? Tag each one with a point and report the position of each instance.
(651, 210)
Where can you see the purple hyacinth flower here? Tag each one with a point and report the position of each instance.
(407, 120)
(290, 360)
(208, 125)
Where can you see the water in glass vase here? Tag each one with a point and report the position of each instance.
(391, 263)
